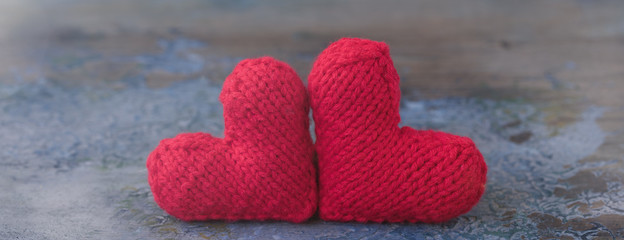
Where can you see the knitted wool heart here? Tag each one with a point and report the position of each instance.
(369, 168)
(263, 167)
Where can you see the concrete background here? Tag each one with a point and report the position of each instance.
(88, 88)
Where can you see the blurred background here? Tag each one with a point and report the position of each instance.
(441, 48)
(88, 88)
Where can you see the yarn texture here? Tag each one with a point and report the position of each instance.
(370, 170)
(263, 167)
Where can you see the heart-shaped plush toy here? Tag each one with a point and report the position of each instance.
(369, 168)
(262, 169)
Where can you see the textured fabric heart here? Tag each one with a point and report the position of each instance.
(262, 169)
(369, 168)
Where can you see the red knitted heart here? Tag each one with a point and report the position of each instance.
(263, 167)
(369, 168)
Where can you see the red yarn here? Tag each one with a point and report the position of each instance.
(369, 168)
(263, 167)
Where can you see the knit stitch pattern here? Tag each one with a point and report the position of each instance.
(370, 170)
(263, 167)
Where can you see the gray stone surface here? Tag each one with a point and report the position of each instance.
(73, 166)
(88, 88)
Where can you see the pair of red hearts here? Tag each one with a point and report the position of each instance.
(369, 169)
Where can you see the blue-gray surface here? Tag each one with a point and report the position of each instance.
(88, 88)
(73, 166)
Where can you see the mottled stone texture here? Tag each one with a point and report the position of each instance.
(88, 88)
